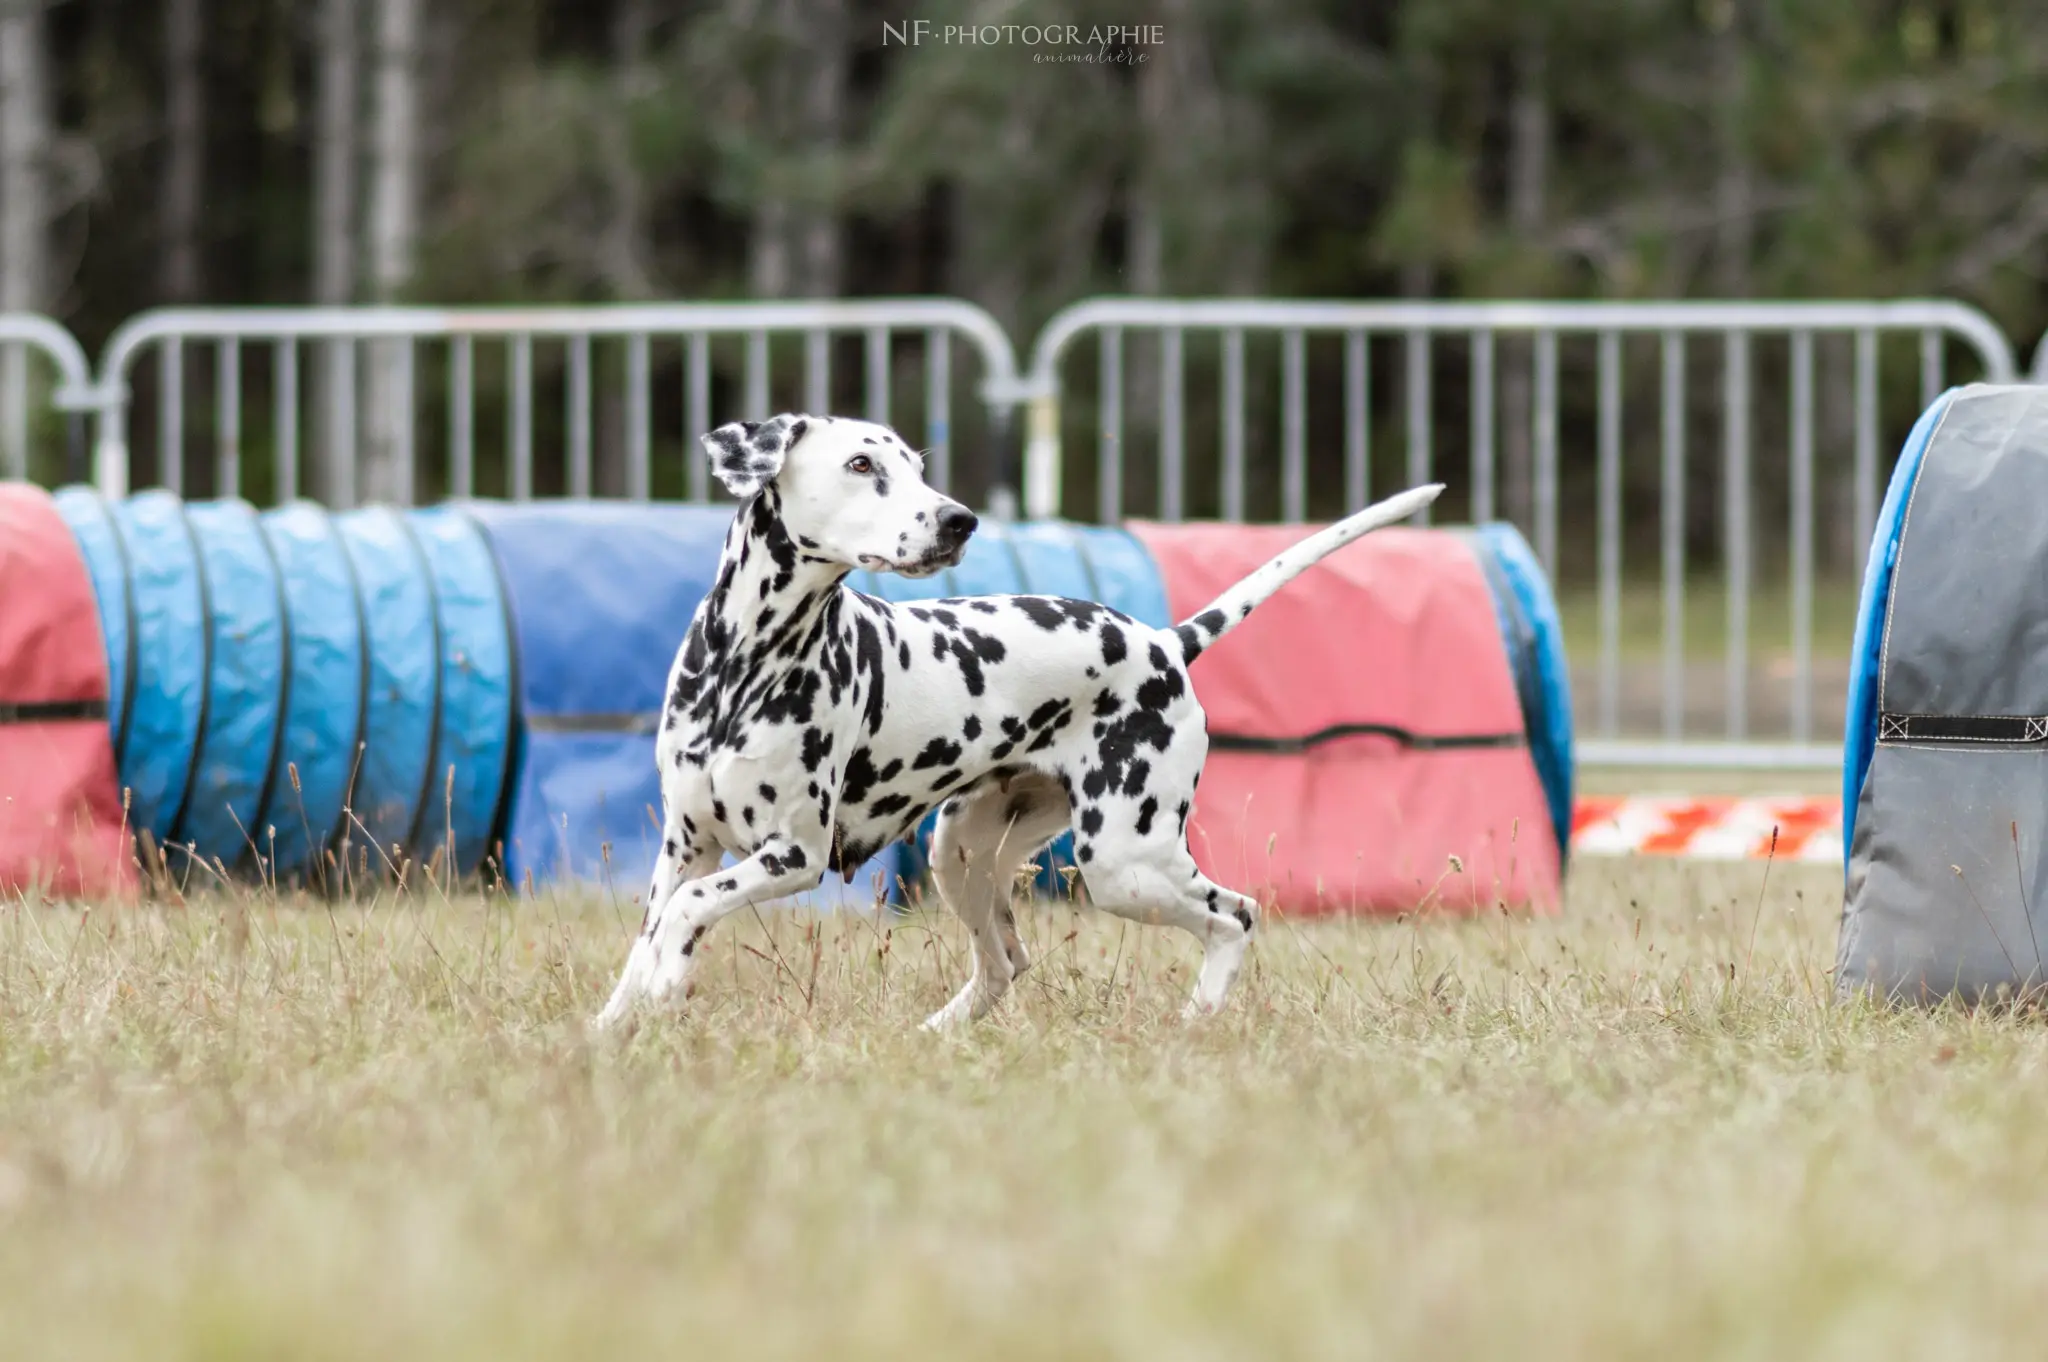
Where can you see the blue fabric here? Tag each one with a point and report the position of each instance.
(85, 511)
(404, 698)
(1053, 560)
(600, 597)
(1130, 580)
(475, 737)
(171, 641)
(1535, 643)
(1859, 738)
(226, 807)
(324, 700)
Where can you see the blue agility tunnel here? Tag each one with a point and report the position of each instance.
(295, 684)
(1534, 637)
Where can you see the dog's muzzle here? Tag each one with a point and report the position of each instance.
(950, 533)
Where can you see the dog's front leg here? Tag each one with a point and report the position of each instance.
(662, 957)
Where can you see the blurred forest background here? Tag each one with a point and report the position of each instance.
(245, 151)
(451, 151)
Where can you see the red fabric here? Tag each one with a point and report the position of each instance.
(61, 829)
(1399, 629)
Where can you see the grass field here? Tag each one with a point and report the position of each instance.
(246, 1128)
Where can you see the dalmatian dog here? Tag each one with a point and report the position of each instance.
(807, 726)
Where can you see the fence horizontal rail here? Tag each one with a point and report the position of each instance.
(1521, 406)
(384, 395)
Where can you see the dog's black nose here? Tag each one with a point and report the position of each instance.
(955, 524)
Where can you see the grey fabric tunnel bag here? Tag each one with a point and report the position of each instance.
(1947, 887)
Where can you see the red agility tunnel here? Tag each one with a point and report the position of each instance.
(61, 826)
(1375, 736)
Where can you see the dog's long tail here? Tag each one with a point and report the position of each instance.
(1227, 611)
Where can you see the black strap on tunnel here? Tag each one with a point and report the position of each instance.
(337, 836)
(252, 850)
(51, 711)
(1408, 738)
(130, 650)
(426, 567)
(500, 826)
(1991, 730)
(176, 827)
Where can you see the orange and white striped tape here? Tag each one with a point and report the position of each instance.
(1723, 828)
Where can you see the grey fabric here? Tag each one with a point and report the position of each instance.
(1967, 631)
(1916, 929)
(1937, 900)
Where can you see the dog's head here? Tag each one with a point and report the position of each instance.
(851, 491)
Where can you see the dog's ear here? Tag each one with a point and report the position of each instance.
(746, 455)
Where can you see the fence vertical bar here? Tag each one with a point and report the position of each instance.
(1357, 422)
(1419, 434)
(343, 397)
(170, 414)
(520, 399)
(1109, 438)
(1172, 460)
(1610, 532)
(697, 414)
(401, 419)
(462, 416)
(1672, 403)
(1931, 368)
(938, 406)
(227, 419)
(1482, 427)
(1233, 426)
(818, 372)
(757, 376)
(1735, 515)
(1293, 427)
(1546, 451)
(284, 406)
(579, 417)
(639, 418)
(1802, 536)
(1866, 492)
(878, 374)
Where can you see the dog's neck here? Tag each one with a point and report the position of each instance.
(770, 584)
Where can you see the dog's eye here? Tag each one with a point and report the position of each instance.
(860, 463)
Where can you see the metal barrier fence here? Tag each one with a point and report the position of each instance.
(370, 378)
(22, 335)
(1740, 330)
(1803, 390)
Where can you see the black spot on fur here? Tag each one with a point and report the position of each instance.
(1091, 821)
(972, 728)
(937, 752)
(1114, 647)
(1147, 811)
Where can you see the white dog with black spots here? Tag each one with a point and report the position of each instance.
(808, 726)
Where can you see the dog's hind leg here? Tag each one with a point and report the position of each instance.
(983, 840)
(1177, 894)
